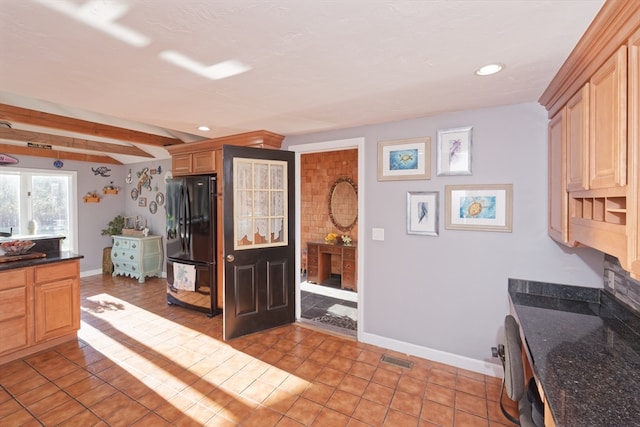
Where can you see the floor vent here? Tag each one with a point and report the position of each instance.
(401, 363)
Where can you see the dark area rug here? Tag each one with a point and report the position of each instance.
(344, 322)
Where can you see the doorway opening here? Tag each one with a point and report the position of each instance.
(329, 292)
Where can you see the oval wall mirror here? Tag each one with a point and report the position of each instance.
(343, 204)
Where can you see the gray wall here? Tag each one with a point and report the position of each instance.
(449, 293)
(93, 217)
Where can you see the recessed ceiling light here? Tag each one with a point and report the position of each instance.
(204, 128)
(489, 69)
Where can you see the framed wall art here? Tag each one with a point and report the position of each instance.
(404, 159)
(142, 202)
(422, 213)
(454, 151)
(479, 207)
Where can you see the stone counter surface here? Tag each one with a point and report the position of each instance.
(584, 346)
(62, 256)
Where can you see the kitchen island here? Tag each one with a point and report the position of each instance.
(584, 349)
(40, 301)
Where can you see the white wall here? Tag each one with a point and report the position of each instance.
(446, 297)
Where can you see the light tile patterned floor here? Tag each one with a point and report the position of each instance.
(139, 362)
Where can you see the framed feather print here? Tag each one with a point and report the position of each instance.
(422, 213)
(454, 151)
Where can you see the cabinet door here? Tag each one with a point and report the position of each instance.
(577, 125)
(56, 309)
(204, 162)
(607, 123)
(181, 164)
(558, 197)
(14, 316)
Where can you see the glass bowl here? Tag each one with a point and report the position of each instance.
(16, 247)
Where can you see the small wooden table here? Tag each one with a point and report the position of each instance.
(319, 263)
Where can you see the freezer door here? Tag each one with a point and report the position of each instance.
(202, 297)
(200, 201)
(175, 219)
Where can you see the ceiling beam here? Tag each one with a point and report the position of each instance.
(13, 114)
(65, 141)
(56, 154)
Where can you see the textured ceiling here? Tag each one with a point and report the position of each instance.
(314, 64)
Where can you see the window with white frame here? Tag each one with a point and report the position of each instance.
(39, 202)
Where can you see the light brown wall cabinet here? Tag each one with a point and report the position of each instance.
(593, 138)
(205, 157)
(40, 308)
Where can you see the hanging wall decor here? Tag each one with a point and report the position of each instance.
(103, 171)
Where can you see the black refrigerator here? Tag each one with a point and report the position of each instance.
(191, 243)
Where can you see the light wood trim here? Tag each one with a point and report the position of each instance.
(633, 135)
(57, 154)
(259, 139)
(606, 237)
(610, 29)
(65, 141)
(15, 114)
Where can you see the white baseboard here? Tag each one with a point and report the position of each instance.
(99, 271)
(90, 272)
(479, 366)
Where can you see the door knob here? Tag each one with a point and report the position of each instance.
(230, 258)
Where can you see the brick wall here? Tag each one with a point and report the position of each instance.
(318, 172)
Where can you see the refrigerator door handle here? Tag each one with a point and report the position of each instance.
(181, 218)
(189, 219)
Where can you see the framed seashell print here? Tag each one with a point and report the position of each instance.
(479, 207)
(404, 159)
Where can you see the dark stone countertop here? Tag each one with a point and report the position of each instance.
(584, 346)
(62, 256)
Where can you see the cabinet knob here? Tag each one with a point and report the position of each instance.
(230, 258)
(131, 257)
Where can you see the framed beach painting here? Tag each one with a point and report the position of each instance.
(404, 159)
(479, 207)
(422, 212)
(454, 152)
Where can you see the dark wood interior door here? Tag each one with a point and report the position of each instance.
(259, 241)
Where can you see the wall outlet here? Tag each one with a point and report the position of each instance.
(611, 279)
(377, 234)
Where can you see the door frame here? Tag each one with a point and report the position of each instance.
(334, 145)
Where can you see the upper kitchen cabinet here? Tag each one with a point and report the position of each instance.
(608, 123)
(594, 157)
(204, 157)
(558, 200)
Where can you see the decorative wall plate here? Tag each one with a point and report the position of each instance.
(160, 199)
(153, 207)
(134, 194)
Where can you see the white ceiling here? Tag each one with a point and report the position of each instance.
(315, 64)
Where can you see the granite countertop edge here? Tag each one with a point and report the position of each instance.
(584, 345)
(63, 256)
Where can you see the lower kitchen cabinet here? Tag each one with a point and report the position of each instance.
(137, 256)
(14, 316)
(40, 308)
(56, 285)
